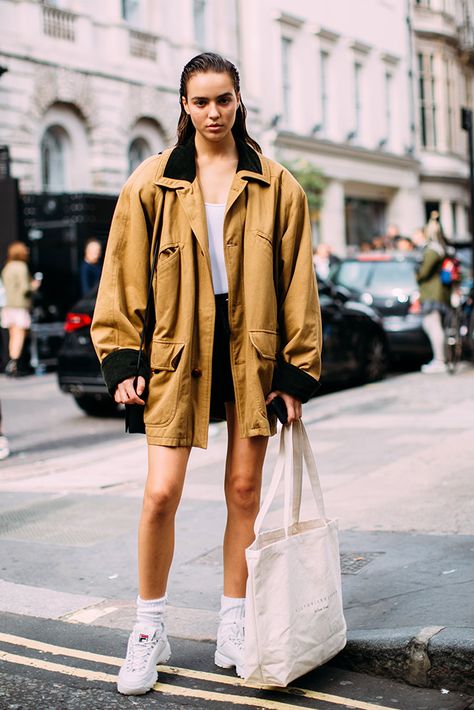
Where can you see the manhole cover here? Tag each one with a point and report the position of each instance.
(353, 562)
(69, 521)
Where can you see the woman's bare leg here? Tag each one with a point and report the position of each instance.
(166, 473)
(16, 341)
(243, 481)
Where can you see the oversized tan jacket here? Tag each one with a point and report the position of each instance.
(274, 315)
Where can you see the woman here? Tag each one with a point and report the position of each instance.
(434, 295)
(236, 323)
(18, 286)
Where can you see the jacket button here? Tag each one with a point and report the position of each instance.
(197, 372)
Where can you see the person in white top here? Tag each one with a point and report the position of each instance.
(212, 142)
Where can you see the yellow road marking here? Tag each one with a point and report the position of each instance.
(189, 673)
(158, 687)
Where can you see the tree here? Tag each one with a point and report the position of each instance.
(313, 183)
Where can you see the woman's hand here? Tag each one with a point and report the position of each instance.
(125, 392)
(293, 405)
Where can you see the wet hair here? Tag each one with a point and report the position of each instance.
(210, 62)
(18, 251)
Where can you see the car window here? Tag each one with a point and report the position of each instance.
(390, 276)
(380, 278)
(353, 274)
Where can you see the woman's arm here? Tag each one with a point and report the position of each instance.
(299, 363)
(121, 301)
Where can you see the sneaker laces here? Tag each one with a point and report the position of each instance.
(236, 636)
(139, 652)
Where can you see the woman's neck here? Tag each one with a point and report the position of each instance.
(207, 150)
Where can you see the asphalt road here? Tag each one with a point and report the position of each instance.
(48, 665)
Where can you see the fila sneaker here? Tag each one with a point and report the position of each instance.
(147, 646)
(230, 647)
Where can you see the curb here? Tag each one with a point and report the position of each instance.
(429, 657)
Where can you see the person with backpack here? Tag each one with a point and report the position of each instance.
(434, 293)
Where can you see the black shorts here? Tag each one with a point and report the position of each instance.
(222, 386)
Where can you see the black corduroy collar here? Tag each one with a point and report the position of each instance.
(181, 164)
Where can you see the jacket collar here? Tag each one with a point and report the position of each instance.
(179, 169)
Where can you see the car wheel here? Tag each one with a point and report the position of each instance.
(376, 359)
(97, 406)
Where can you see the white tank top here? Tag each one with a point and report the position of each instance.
(215, 232)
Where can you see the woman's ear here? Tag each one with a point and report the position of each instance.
(185, 104)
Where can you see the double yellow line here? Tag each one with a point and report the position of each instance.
(167, 688)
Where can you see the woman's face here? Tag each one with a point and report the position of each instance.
(211, 103)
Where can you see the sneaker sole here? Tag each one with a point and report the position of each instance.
(224, 662)
(145, 687)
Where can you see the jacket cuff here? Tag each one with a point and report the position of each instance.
(294, 381)
(122, 364)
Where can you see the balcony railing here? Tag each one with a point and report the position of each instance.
(58, 23)
(142, 45)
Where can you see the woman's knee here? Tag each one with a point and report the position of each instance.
(243, 493)
(161, 501)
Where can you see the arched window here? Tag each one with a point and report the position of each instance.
(138, 151)
(55, 146)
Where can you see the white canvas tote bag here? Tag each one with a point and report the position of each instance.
(294, 619)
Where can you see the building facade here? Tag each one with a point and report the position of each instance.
(371, 98)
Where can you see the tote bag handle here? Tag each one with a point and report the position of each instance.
(294, 448)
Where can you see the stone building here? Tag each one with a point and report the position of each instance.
(370, 96)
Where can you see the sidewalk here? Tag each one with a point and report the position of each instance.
(396, 465)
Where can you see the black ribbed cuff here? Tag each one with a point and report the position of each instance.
(294, 381)
(122, 364)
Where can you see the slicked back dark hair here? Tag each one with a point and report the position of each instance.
(207, 62)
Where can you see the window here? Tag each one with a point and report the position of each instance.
(454, 218)
(54, 150)
(388, 107)
(131, 11)
(324, 67)
(286, 50)
(357, 98)
(138, 151)
(426, 88)
(199, 20)
(449, 104)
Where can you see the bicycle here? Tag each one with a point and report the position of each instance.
(453, 337)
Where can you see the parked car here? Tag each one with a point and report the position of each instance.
(355, 348)
(387, 282)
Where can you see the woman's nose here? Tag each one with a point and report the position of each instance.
(213, 111)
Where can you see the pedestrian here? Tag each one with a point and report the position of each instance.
(405, 244)
(324, 261)
(91, 266)
(236, 323)
(4, 446)
(19, 287)
(434, 295)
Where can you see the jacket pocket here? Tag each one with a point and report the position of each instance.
(165, 355)
(265, 342)
(165, 382)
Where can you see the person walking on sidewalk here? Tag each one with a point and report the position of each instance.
(236, 323)
(18, 286)
(434, 295)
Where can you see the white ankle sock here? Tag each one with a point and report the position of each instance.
(232, 610)
(150, 612)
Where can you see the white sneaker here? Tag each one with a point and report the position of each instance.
(434, 367)
(4, 448)
(230, 647)
(147, 646)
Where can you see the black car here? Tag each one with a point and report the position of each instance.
(355, 349)
(386, 281)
